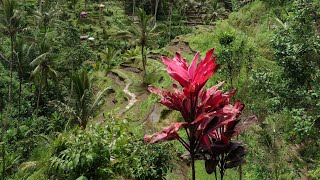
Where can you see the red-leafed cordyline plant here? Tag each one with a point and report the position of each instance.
(210, 121)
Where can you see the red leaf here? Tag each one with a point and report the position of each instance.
(193, 66)
(169, 133)
(243, 125)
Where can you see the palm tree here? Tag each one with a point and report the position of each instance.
(43, 69)
(142, 32)
(108, 55)
(82, 89)
(10, 24)
(85, 102)
(22, 51)
(46, 17)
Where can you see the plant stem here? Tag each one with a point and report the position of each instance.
(222, 167)
(3, 148)
(192, 165)
(39, 93)
(11, 68)
(143, 59)
(20, 92)
(215, 173)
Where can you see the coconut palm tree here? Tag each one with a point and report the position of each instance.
(22, 51)
(10, 24)
(43, 69)
(142, 32)
(46, 16)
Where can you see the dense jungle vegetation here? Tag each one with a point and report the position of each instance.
(74, 77)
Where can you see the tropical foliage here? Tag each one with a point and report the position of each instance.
(74, 99)
(210, 120)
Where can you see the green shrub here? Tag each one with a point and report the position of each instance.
(107, 151)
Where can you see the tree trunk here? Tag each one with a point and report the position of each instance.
(143, 59)
(20, 92)
(156, 11)
(45, 28)
(3, 149)
(71, 79)
(11, 69)
(133, 8)
(222, 168)
(39, 93)
(170, 20)
(193, 166)
(228, 5)
(100, 9)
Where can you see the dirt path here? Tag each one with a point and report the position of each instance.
(177, 45)
(133, 97)
(124, 82)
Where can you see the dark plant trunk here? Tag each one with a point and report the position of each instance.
(20, 92)
(240, 172)
(240, 167)
(45, 28)
(156, 11)
(144, 59)
(193, 166)
(170, 20)
(11, 69)
(3, 149)
(20, 87)
(100, 9)
(83, 124)
(230, 75)
(39, 93)
(133, 8)
(40, 10)
(228, 5)
(274, 159)
(221, 166)
(71, 79)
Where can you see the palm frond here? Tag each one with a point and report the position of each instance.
(38, 59)
(97, 102)
(64, 109)
(53, 73)
(281, 23)
(35, 72)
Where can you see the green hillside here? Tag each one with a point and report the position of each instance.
(84, 89)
